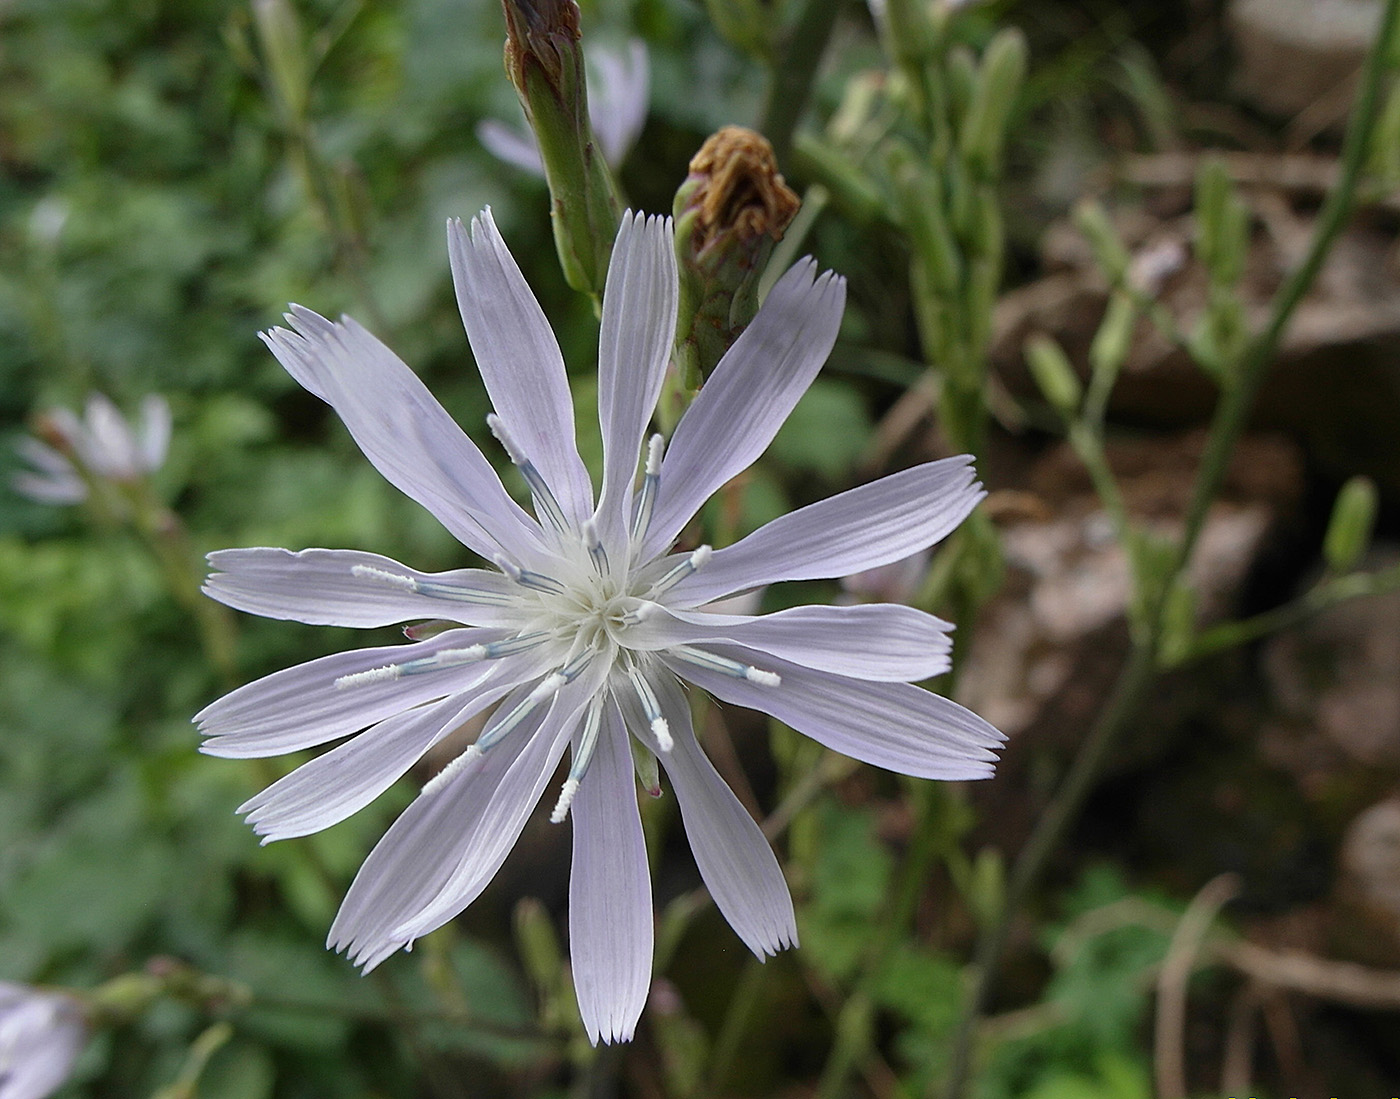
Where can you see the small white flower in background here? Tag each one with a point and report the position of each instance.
(585, 633)
(619, 90)
(101, 446)
(41, 1034)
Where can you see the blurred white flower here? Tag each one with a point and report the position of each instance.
(619, 87)
(101, 446)
(41, 1034)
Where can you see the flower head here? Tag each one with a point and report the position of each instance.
(41, 1034)
(71, 453)
(590, 624)
(619, 85)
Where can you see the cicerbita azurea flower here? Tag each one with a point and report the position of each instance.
(41, 1035)
(589, 626)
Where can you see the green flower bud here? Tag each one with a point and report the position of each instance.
(1114, 339)
(730, 211)
(1110, 254)
(921, 211)
(1222, 225)
(999, 82)
(1349, 529)
(545, 63)
(1051, 369)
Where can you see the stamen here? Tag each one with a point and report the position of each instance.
(384, 576)
(441, 779)
(723, 664)
(447, 658)
(373, 675)
(651, 481)
(693, 563)
(434, 589)
(546, 505)
(566, 798)
(652, 709)
(547, 688)
(640, 613)
(583, 756)
(594, 545)
(526, 578)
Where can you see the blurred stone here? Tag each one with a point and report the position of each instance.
(1367, 911)
(1335, 686)
(1335, 385)
(1297, 56)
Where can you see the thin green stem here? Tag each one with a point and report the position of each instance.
(1231, 635)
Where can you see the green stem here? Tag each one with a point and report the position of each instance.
(1231, 635)
(793, 72)
(1140, 671)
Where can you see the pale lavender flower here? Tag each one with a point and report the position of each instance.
(41, 1034)
(619, 88)
(101, 445)
(589, 627)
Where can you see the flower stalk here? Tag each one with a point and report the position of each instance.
(544, 60)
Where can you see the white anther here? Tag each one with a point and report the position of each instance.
(441, 779)
(696, 560)
(566, 798)
(702, 659)
(651, 481)
(594, 544)
(546, 506)
(661, 729)
(640, 613)
(394, 579)
(527, 579)
(372, 675)
(498, 429)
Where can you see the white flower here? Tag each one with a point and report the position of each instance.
(41, 1034)
(589, 625)
(101, 446)
(619, 89)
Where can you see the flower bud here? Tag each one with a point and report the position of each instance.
(998, 84)
(1092, 220)
(730, 211)
(545, 63)
(1058, 382)
(1114, 339)
(1349, 529)
(1222, 225)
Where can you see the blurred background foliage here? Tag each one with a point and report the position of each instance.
(160, 202)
